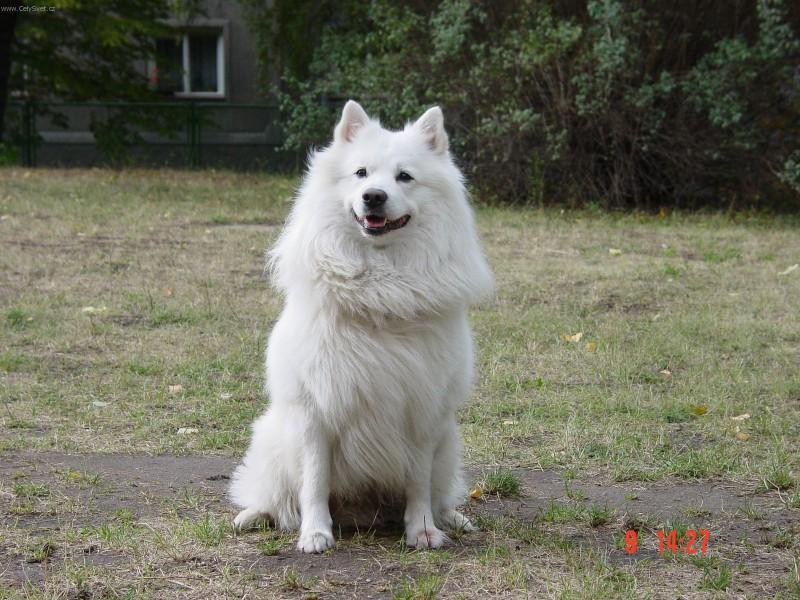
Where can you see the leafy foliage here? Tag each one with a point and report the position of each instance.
(87, 49)
(639, 103)
(93, 50)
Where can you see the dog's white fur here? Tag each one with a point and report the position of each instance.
(372, 354)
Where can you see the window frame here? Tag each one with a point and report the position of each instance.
(185, 30)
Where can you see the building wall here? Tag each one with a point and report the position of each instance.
(229, 135)
(241, 65)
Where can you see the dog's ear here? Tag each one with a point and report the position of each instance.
(353, 118)
(431, 124)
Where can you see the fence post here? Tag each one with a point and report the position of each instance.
(198, 136)
(192, 133)
(28, 126)
(33, 136)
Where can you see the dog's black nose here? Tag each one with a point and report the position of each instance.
(374, 198)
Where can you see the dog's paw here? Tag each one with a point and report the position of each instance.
(429, 537)
(313, 542)
(455, 520)
(246, 519)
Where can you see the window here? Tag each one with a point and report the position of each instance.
(190, 65)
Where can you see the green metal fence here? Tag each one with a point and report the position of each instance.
(190, 133)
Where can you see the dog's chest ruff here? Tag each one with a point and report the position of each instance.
(357, 367)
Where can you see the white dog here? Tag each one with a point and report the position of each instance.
(372, 355)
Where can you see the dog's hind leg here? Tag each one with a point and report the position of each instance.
(247, 518)
(263, 484)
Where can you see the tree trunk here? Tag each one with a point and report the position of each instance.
(8, 21)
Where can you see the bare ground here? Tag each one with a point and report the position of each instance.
(85, 491)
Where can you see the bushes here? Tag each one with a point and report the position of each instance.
(629, 104)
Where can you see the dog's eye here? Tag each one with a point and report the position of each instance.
(362, 172)
(403, 176)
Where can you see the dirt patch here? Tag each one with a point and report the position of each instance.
(268, 225)
(87, 492)
(736, 514)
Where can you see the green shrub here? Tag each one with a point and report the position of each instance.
(638, 103)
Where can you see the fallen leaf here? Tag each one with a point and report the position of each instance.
(742, 417)
(742, 436)
(93, 310)
(174, 389)
(509, 422)
(614, 251)
(225, 396)
(572, 338)
(699, 409)
(591, 346)
(788, 270)
(666, 372)
(187, 430)
(99, 404)
(476, 493)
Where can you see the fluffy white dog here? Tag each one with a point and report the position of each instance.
(372, 355)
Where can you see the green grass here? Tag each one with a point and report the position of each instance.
(18, 319)
(179, 298)
(598, 515)
(40, 552)
(424, 588)
(502, 483)
(778, 477)
(574, 512)
(717, 579)
(689, 326)
(270, 547)
(208, 531)
(563, 513)
(31, 490)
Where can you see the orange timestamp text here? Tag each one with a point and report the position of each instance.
(690, 542)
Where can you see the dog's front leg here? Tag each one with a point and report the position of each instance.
(315, 525)
(421, 532)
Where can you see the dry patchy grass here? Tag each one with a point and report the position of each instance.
(133, 316)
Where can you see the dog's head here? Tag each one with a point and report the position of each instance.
(382, 218)
(389, 181)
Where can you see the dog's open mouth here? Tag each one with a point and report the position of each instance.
(378, 224)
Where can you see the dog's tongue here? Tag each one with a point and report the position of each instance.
(375, 221)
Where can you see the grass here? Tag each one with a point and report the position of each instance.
(778, 478)
(424, 588)
(502, 483)
(270, 547)
(750, 511)
(593, 515)
(133, 318)
(209, 531)
(179, 299)
(717, 579)
(31, 490)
